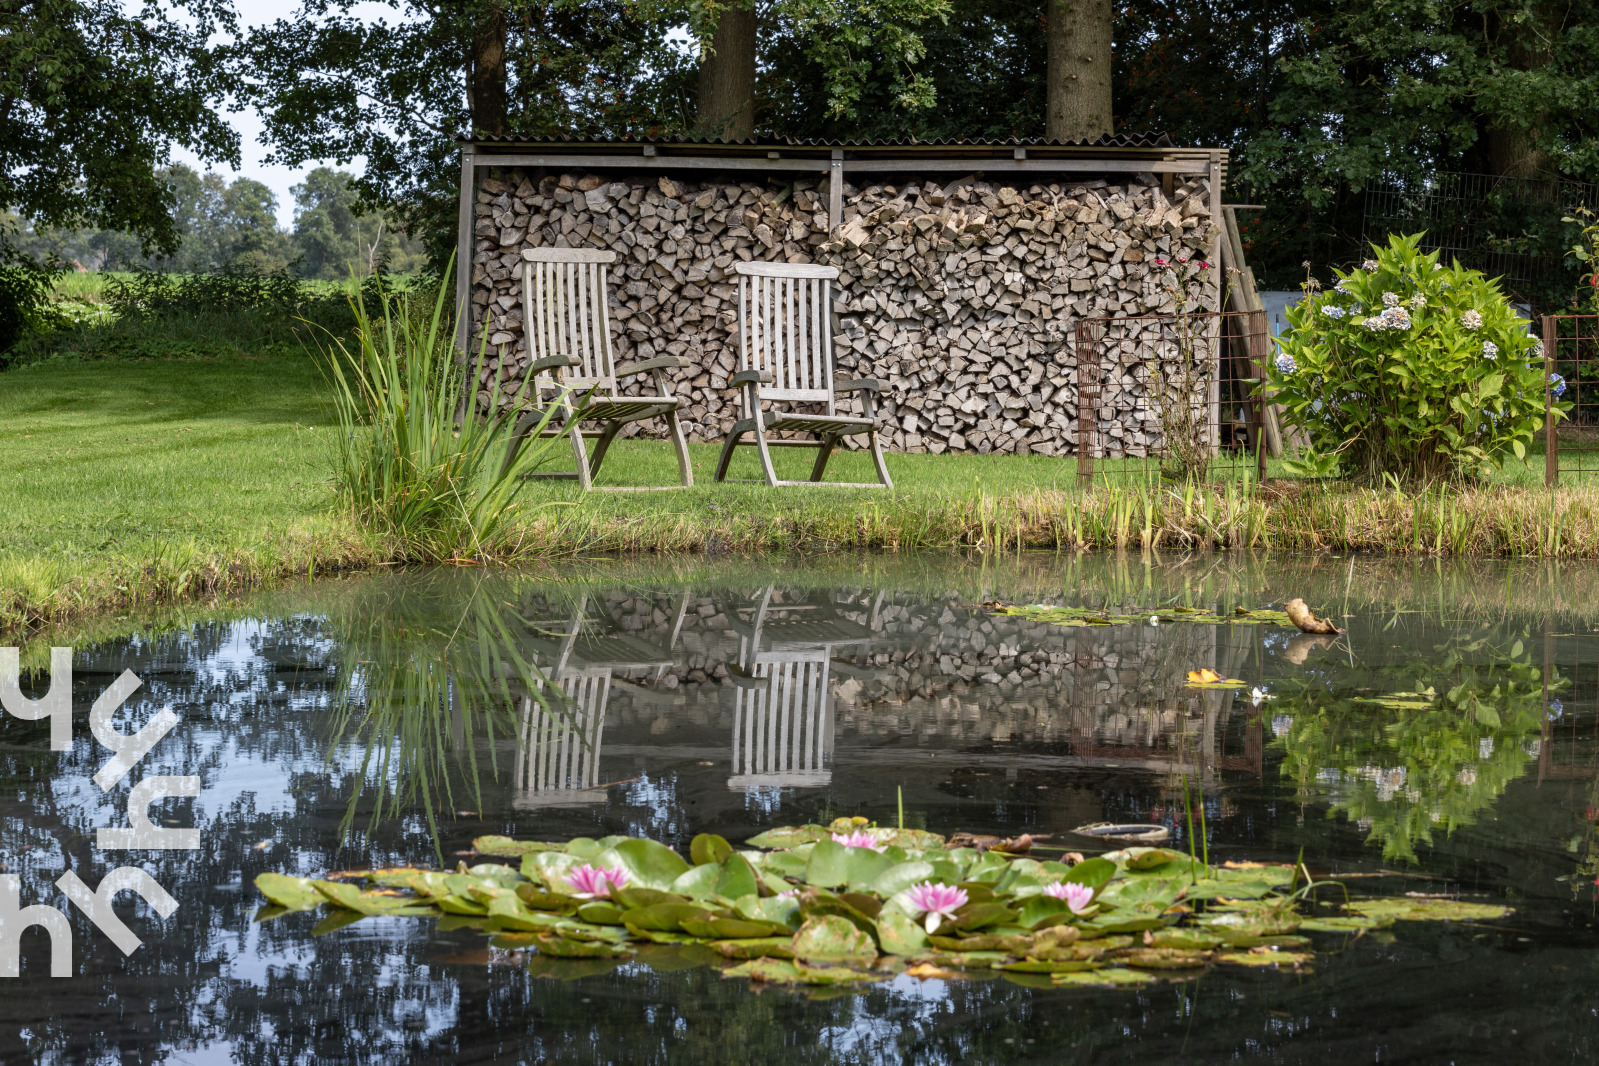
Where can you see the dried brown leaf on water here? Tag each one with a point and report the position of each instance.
(1017, 845)
(1302, 616)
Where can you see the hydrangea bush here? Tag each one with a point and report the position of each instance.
(1411, 368)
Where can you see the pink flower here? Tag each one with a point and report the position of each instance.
(1077, 897)
(1204, 264)
(1159, 261)
(595, 882)
(1182, 259)
(938, 902)
(860, 838)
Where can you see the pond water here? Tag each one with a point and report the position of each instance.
(730, 698)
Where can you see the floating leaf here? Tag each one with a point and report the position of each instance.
(1345, 923)
(649, 864)
(290, 893)
(1091, 872)
(733, 928)
(1165, 958)
(784, 910)
(789, 837)
(1042, 966)
(978, 915)
(564, 948)
(601, 913)
(1110, 977)
(369, 903)
(335, 920)
(899, 877)
(698, 883)
(498, 845)
(1268, 957)
(737, 878)
(832, 937)
(899, 934)
(1041, 911)
(772, 970)
(1429, 910)
(773, 947)
(828, 865)
(709, 848)
(1184, 939)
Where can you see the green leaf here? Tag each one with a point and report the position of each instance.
(564, 948)
(664, 917)
(600, 913)
(790, 836)
(709, 848)
(899, 877)
(500, 845)
(784, 910)
(352, 898)
(828, 866)
(699, 882)
(290, 893)
(899, 934)
(829, 937)
(769, 947)
(1091, 872)
(978, 915)
(649, 864)
(737, 878)
(1429, 910)
(1041, 911)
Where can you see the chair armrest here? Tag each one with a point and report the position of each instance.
(743, 678)
(552, 362)
(755, 377)
(859, 385)
(664, 362)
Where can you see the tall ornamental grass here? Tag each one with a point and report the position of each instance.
(419, 459)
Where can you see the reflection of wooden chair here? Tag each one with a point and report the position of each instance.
(782, 702)
(557, 762)
(565, 314)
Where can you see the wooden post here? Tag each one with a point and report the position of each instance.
(463, 254)
(1551, 445)
(1087, 402)
(1214, 331)
(835, 192)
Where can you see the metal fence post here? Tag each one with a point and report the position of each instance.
(1551, 445)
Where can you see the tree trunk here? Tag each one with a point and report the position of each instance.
(726, 108)
(1078, 104)
(486, 77)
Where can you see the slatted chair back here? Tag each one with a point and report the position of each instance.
(785, 329)
(783, 729)
(558, 759)
(565, 312)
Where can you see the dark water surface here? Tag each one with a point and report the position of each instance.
(1482, 786)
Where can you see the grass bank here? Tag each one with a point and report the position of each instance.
(130, 482)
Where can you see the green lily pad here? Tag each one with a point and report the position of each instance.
(769, 947)
(561, 947)
(369, 903)
(664, 917)
(290, 893)
(899, 934)
(709, 848)
(601, 913)
(1164, 958)
(978, 915)
(505, 846)
(791, 836)
(539, 900)
(1345, 923)
(1430, 910)
(783, 910)
(814, 904)
(786, 863)
(1109, 977)
(737, 878)
(630, 897)
(1043, 966)
(699, 882)
(1294, 959)
(1184, 939)
(335, 920)
(649, 864)
(833, 937)
(733, 928)
(1041, 911)
(965, 960)
(1091, 872)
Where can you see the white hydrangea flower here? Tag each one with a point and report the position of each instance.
(1390, 299)
(1418, 301)
(1471, 319)
(1398, 318)
(1490, 349)
(1343, 285)
(1537, 350)
(1369, 266)
(1333, 311)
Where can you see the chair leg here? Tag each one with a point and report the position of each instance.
(675, 428)
(727, 453)
(601, 446)
(823, 453)
(574, 431)
(766, 453)
(877, 459)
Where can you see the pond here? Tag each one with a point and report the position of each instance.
(1444, 746)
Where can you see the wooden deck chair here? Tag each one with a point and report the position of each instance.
(785, 357)
(557, 761)
(566, 319)
(782, 703)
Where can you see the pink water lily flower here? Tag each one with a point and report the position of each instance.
(938, 902)
(595, 882)
(860, 838)
(1077, 897)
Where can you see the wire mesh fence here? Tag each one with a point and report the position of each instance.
(1509, 228)
(1571, 372)
(1172, 397)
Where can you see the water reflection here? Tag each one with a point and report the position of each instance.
(393, 720)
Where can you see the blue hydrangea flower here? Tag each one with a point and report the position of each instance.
(1556, 709)
(1285, 363)
(1557, 385)
(1334, 311)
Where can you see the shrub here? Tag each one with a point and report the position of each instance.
(1410, 368)
(415, 461)
(25, 288)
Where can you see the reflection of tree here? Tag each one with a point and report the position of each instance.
(1416, 745)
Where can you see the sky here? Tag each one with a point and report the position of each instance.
(248, 121)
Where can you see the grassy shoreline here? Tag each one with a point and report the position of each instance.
(135, 483)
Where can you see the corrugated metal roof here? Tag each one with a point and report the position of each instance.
(1118, 140)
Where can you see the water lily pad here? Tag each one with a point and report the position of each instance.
(1259, 958)
(791, 836)
(1164, 958)
(335, 920)
(784, 910)
(1185, 939)
(290, 893)
(1109, 977)
(1210, 889)
(369, 903)
(737, 878)
(709, 848)
(1091, 872)
(664, 917)
(900, 876)
(499, 845)
(815, 904)
(899, 934)
(561, 947)
(1429, 910)
(699, 882)
(734, 928)
(833, 937)
(772, 970)
(1045, 966)
(1014, 945)
(1346, 923)
(631, 897)
(828, 865)
(786, 863)
(965, 960)
(649, 864)
(978, 915)
(600, 913)
(508, 913)
(772, 947)
(1040, 911)
(539, 900)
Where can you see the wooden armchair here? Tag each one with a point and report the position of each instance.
(567, 322)
(785, 357)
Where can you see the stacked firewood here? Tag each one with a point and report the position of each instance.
(960, 296)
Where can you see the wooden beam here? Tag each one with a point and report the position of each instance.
(463, 253)
(967, 164)
(656, 162)
(835, 192)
